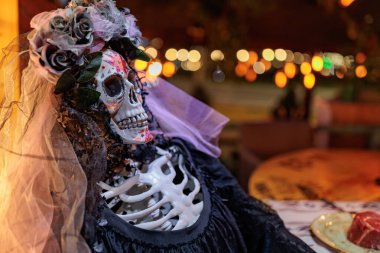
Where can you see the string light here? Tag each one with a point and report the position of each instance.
(251, 75)
(152, 52)
(280, 79)
(171, 54)
(194, 56)
(360, 58)
(309, 81)
(242, 55)
(280, 54)
(183, 55)
(305, 68)
(168, 69)
(217, 55)
(253, 57)
(317, 63)
(140, 65)
(259, 67)
(268, 54)
(241, 69)
(155, 69)
(290, 70)
(361, 71)
(346, 3)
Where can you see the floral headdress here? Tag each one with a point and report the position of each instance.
(68, 42)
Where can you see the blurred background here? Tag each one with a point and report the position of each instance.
(289, 74)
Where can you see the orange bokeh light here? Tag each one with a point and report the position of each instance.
(309, 81)
(168, 69)
(251, 75)
(360, 58)
(280, 79)
(241, 69)
(346, 3)
(253, 57)
(361, 71)
(290, 70)
(305, 68)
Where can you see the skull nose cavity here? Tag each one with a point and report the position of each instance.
(133, 97)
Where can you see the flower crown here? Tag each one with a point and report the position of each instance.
(68, 42)
(64, 36)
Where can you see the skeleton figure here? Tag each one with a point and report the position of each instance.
(114, 81)
(161, 196)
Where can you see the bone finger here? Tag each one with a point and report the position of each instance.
(154, 224)
(143, 213)
(124, 187)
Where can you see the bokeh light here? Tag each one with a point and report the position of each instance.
(217, 55)
(155, 69)
(168, 69)
(360, 58)
(361, 71)
(305, 68)
(346, 3)
(194, 56)
(280, 79)
(339, 74)
(259, 67)
(251, 75)
(171, 54)
(290, 70)
(289, 56)
(309, 81)
(268, 54)
(152, 52)
(140, 65)
(267, 64)
(317, 63)
(280, 54)
(298, 58)
(327, 63)
(241, 69)
(253, 57)
(242, 55)
(193, 66)
(183, 55)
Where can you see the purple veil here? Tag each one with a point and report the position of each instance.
(183, 116)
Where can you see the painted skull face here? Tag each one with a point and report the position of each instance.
(115, 81)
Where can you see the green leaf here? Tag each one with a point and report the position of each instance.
(125, 45)
(86, 97)
(65, 82)
(140, 55)
(92, 64)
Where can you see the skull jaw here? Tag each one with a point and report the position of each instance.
(139, 135)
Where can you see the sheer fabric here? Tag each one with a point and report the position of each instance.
(41, 181)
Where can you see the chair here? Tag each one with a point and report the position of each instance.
(260, 141)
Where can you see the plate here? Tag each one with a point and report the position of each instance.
(332, 230)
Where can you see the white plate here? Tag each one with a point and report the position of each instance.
(332, 230)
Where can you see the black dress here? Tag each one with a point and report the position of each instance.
(230, 222)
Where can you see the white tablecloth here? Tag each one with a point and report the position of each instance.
(298, 215)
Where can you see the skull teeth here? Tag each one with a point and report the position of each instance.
(136, 121)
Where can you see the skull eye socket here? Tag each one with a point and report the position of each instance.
(114, 85)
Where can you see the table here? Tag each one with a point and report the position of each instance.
(298, 215)
(312, 174)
